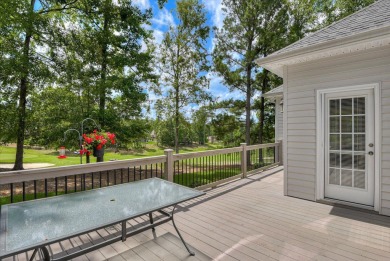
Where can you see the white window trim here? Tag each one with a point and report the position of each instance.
(320, 167)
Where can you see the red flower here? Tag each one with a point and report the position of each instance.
(97, 140)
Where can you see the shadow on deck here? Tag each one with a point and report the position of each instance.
(248, 219)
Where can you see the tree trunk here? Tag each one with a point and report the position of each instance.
(23, 97)
(248, 110)
(103, 73)
(264, 89)
(177, 119)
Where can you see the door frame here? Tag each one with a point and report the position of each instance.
(320, 133)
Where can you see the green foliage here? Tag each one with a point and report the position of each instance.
(334, 10)
(166, 132)
(251, 29)
(229, 129)
(199, 124)
(183, 60)
(104, 55)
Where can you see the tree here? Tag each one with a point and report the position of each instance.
(199, 123)
(183, 59)
(107, 39)
(25, 30)
(250, 29)
(333, 11)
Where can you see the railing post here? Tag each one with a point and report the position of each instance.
(243, 160)
(279, 152)
(168, 169)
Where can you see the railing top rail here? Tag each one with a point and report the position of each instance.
(205, 153)
(260, 146)
(36, 174)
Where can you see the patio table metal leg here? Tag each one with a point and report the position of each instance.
(124, 231)
(151, 220)
(177, 230)
(44, 251)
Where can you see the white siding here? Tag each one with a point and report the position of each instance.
(278, 119)
(386, 147)
(301, 83)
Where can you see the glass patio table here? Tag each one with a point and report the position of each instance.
(33, 225)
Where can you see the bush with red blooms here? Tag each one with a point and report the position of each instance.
(96, 140)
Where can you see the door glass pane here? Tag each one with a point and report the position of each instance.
(334, 141)
(359, 105)
(359, 162)
(346, 161)
(359, 124)
(334, 160)
(359, 142)
(346, 124)
(346, 142)
(334, 107)
(346, 178)
(334, 176)
(334, 124)
(359, 179)
(346, 106)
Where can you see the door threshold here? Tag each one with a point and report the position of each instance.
(347, 204)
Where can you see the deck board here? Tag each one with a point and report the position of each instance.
(248, 219)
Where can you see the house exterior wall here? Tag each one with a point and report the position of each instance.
(278, 119)
(300, 85)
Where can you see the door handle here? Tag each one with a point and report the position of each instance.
(370, 153)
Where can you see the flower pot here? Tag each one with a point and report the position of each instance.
(98, 154)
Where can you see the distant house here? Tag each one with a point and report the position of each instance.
(276, 96)
(336, 117)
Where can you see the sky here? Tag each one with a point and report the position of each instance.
(163, 18)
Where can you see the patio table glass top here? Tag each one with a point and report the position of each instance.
(32, 223)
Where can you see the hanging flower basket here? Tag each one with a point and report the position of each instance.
(95, 143)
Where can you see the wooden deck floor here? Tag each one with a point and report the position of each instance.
(250, 219)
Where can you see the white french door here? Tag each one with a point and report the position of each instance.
(349, 146)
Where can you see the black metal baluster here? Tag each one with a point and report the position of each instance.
(35, 189)
(66, 185)
(24, 191)
(75, 183)
(56, 185)
(128, 174)
(84, 182)
(203, 179)
(134, 172)
(100, 179)
(107, 178)
(195, 181)
(193, 172)
(140, 172)
(161, 169)
(224, 166)
(114, 176)
(208, 169)
(12, 192)
(146, 171)
(46, 188)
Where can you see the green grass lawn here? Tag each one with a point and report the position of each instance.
(7, 154)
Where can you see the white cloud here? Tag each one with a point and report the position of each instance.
(221, 92)
(164, 18)
(214, 7)
(142, 4)
(158, 36)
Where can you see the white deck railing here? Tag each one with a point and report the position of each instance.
(197, 169)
